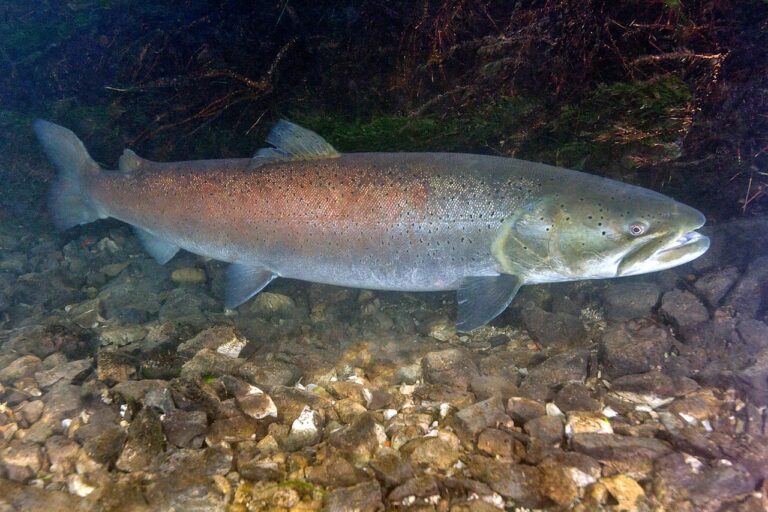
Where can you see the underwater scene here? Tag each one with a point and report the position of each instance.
(368, 255)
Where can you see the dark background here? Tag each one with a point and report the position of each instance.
(668, 94)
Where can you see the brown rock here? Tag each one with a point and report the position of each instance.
(631, 455)
(470, 421)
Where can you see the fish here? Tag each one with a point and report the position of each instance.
(478, 224)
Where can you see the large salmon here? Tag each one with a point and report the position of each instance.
(482, 225)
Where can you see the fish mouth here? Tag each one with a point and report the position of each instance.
(657, 255)
(691, 238)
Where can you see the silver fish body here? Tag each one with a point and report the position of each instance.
(478, 224)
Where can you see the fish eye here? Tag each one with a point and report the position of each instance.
(636, 229)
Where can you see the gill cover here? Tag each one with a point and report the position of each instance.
(526, 240)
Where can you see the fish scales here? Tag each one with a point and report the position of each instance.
(372, 217)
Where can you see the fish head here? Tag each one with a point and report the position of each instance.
(600, 229)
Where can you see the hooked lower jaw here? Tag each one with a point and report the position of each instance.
(683, 249)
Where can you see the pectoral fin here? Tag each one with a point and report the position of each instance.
(481, 299)
(158, 248)
(243, 282)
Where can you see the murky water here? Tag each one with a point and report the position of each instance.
(126, 385)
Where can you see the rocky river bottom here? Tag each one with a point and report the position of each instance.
(125, 386)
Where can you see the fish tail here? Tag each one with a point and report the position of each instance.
(68, 201)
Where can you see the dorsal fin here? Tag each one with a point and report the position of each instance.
(292, 142)
(130, 161)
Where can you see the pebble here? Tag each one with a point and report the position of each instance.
(188, 275)
(587, 423)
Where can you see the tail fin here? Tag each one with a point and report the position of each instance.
(68, 200)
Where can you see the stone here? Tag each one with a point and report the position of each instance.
(439, 452)
(582, 422)
(754, 334)
(553, 329)
(626, 491)
(683, 308)
(576, 397)
(24, 366)
(500, 444)
(305, 430)
(654, 389)
(363, 497)
(187, 305)
(213, 338)
(522, 409)
(260, 471)
(753, 380)
(421, 490)
(209, 363)
(272, 305)
(121, 335)
(188, 275)
(560, 369)
(20, 462)
(451, 367)
(256, 404)
(144, 442)
(15, 496)
(105, 445)
(713, 286)
(489, 386)
(359, 440)
(134, 391)
(628, 299)
(114, 366)
(635, 346)
(470, 421)
(745, 298)
(66, 372)
(631, 455)
(390, 468)
(517, 482)
(334, 471)
(682, 482)
(558, 483)
(548, 429)
(62, 454)
(271, 372)
(348, 410)
(234, 429)
(185, 429)
(31, 411)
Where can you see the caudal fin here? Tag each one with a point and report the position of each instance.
(68, 199)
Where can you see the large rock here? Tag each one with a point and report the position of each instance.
(553, 329)
(145, 441)
(635, 346)
(561, 369)
(470, 421)
(626, 300)
(683, 308)
(747, 296)
(713, 286)
(517, 482)
(681, 482)
(452, 367)
(631, 455)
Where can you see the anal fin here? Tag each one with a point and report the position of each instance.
(481, 299)
(243, 282)
(158, 248)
